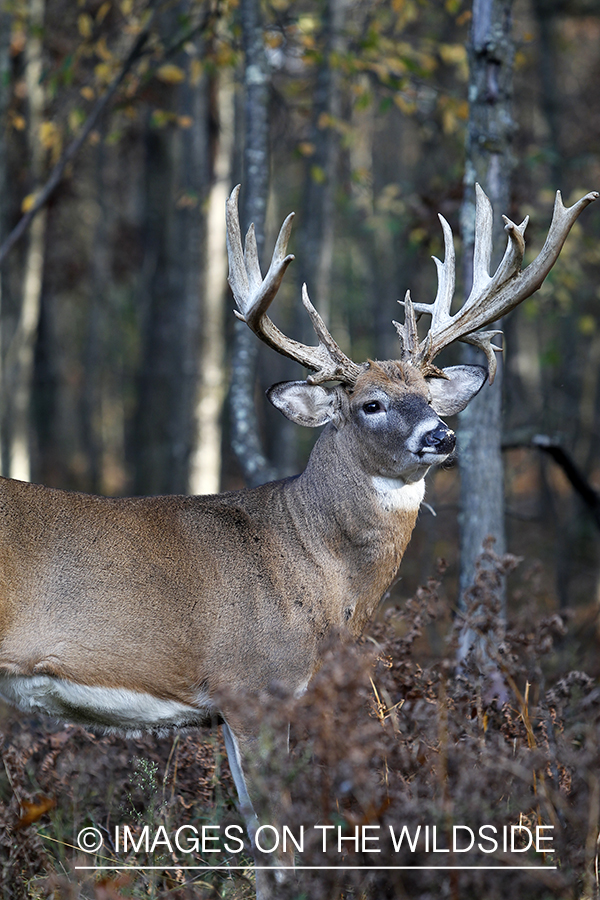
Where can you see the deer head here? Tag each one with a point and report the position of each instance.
(444, 391)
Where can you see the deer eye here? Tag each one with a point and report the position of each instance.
(373, 406)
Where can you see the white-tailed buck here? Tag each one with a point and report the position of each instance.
(142, 613)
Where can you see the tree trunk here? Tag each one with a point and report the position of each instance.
(316, 226)
(5, 94)
(20, 354)
(91, 398)
(205, 475)
(164, 425)
(489, 162)
(545, 15)
(245, 436)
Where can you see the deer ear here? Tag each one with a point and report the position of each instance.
(305, 404)
(449, 396)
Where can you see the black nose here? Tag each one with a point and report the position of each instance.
(442, 439)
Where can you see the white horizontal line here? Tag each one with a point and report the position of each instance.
(292, 868)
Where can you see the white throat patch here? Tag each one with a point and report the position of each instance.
(397, 496)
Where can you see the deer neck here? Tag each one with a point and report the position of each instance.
(359, 524)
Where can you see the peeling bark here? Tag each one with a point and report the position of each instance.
(245, 437)
(489, 162)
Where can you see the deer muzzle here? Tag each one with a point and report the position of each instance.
(441, 440)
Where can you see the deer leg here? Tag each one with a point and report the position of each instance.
(235, 764)
(267, 876)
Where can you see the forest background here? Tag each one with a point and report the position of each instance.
(119, 360)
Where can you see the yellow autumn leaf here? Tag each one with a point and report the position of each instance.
(449, 121)
(85, 25)
(160, 118)
(169, 73)
(462, 110)
(34, 811)
(318, 175)
(18, 122)
(196, 71)
(87, 92)
(103, 73)
(102, 12)
(307, 23)
(76, 119)
(28, 202)
(102, 50)
(273, 39)
(185, 121)
(409, 107)
(49, 135)
(587, 325)
(453, 54)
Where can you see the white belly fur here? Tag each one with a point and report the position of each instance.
(108, 709)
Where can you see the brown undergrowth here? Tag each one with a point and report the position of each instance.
(383, 740)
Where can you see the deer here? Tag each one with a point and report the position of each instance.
(146, 613)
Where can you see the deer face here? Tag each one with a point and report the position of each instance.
(389, 422)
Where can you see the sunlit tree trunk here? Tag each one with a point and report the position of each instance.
(245, 437)
(489, 162)
(205, 474)
(20, 354)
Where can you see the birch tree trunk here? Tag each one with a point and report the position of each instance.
(20, 353)
(245, 436)
(489, 162)
(205, 474)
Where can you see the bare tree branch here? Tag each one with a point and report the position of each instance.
(577, 479)
(74, 147)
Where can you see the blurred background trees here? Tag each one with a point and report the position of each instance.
(115, 322)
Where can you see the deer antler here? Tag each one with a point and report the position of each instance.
(491, 296)
(253, 296)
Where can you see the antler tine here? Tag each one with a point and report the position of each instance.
(491, 297)
(446, 277)
(563, 219)
(334, 365)
(439, 310)
(482, 248)
(254, 294)
(407, 333)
